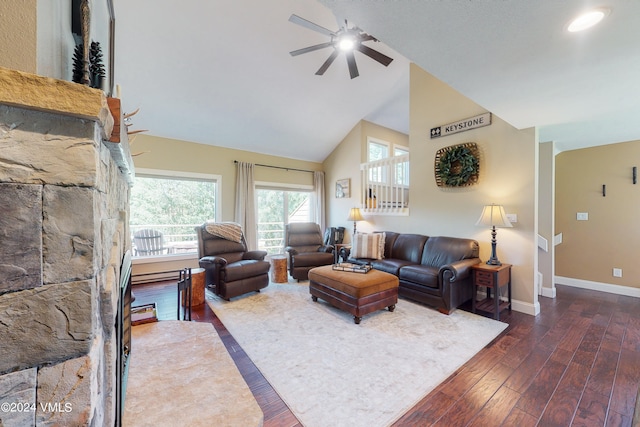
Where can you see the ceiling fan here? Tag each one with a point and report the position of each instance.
(345, 40)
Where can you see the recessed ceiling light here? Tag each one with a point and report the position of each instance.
(588, 19)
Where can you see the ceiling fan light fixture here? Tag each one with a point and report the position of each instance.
(346, 40)
(346, 43)
(588, 19)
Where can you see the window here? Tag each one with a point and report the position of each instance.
(166, 207)
(402, 169)
(377, 150)
(385, 178)
(276, 208)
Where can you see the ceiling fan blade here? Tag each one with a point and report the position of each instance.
(366, 37)
(310, 25)
(374, 54)
(351, 62)
(327, 63)
(310, 48)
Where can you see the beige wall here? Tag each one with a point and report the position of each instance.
(344, 162)
(508, 176)
(170, 154)
(611, 237)
(35, 35)
(18, 23)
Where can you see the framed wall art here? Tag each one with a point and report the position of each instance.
(343, 189)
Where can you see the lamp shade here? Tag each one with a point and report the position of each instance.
(493, 216)
(355, 215)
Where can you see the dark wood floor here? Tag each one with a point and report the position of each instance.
(575, 364)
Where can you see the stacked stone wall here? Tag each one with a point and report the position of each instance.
(63, 233)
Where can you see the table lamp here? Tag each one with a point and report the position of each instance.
(493, 216)
(355, 215)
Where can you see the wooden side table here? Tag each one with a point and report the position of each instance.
(491, 277)
(279, 269)
(197, 286)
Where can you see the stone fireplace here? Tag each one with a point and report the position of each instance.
(64, 194)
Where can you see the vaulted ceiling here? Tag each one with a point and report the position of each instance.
(220, 73)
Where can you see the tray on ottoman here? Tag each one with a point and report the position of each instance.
(357, 294)
(355, 268)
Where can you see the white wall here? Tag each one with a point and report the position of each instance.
(546, 209)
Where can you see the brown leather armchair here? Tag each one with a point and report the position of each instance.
(231, 270)
(304, 244)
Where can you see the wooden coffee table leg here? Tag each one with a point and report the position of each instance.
(392, 307)
(357, 319)
(314, 298)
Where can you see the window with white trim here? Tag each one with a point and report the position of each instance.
(385, 178)
(165, 208)
(278, 206)
(378, 149)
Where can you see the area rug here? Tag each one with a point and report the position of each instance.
(178, 372)
(332, 372)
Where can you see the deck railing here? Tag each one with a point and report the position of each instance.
(181, 239)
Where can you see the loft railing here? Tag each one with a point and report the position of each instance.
(385, 186)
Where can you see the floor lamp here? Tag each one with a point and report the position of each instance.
(493, 216)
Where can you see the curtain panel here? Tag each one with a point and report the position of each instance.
(245, 203)
(319, 202)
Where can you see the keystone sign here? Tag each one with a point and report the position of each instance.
(462, 125)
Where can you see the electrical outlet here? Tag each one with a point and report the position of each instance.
(582, 216)
(617, 272)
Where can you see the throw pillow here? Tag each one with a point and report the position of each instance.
(227, 230)
(365, 245)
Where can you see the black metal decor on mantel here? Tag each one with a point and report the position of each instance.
(96, 65)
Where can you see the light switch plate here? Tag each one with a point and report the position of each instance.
(512, 218)
(582, 216)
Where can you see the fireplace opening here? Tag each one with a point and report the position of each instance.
(123, 328)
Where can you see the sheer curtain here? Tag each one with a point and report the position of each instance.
(318, 188)
(245, 203)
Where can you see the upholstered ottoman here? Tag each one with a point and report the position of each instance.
(355, 293)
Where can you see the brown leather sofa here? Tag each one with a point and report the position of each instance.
(431, 270)
(231, 270)
(306, 249)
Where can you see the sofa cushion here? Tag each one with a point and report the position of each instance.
(389, 239)
(368, 245)
(389, 265)
(408, 247)
(420, 274)
(439, 251)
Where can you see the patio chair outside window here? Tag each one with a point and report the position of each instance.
(149, 242)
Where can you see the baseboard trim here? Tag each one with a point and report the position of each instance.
(598, 286)
(549, 292)
(526, 307)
